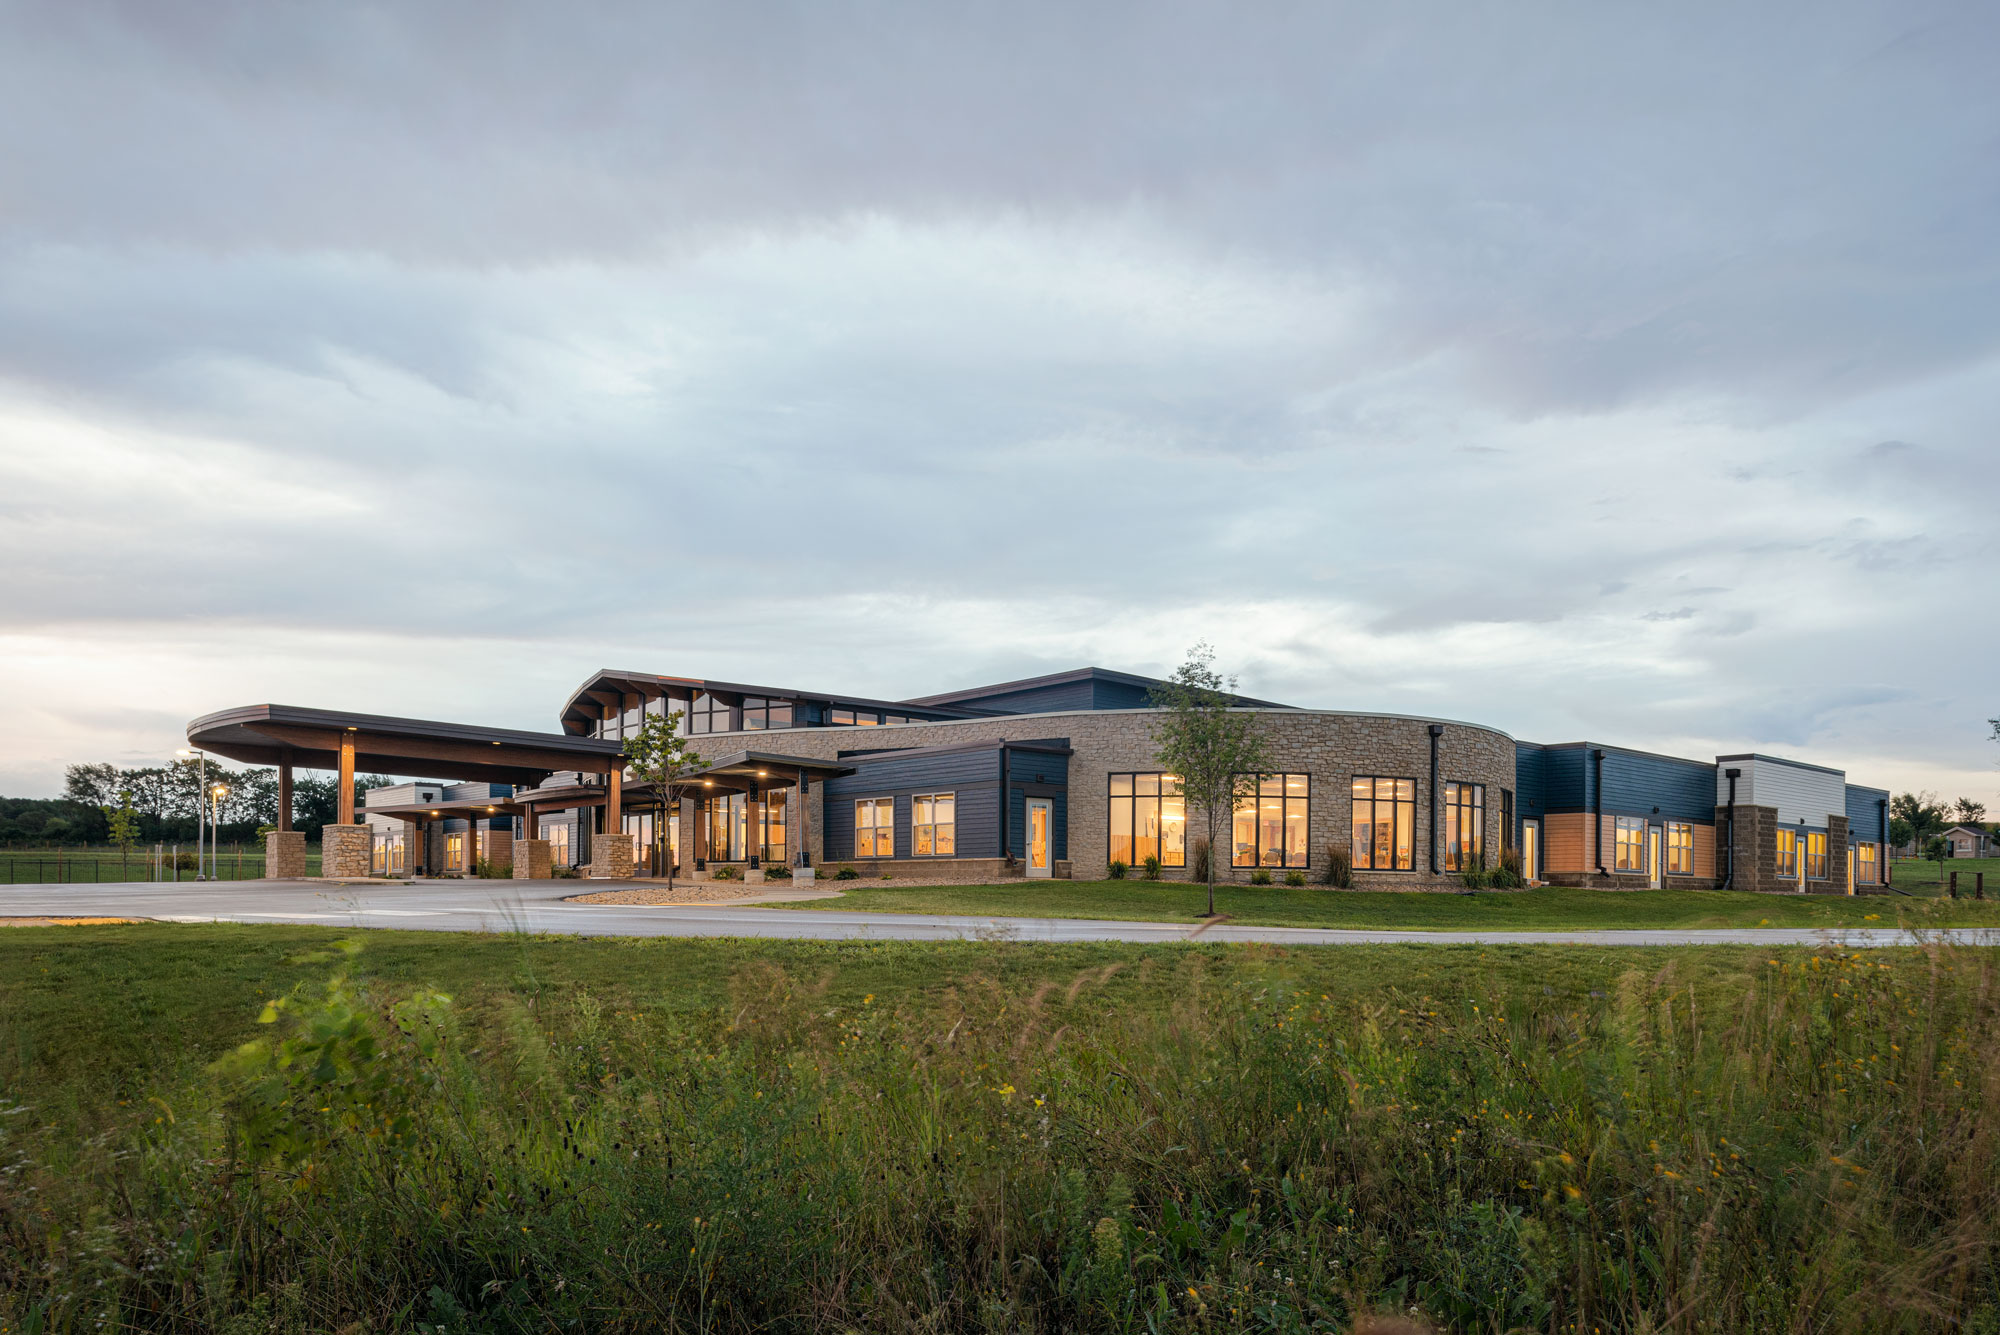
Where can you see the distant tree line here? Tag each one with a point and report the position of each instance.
(104, 804)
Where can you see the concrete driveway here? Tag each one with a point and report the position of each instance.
(537, 906)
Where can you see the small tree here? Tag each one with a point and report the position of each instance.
(1968, 811)
(1922, 813)
(1217, 749)
(659, 755)
(1938, 850)
(123, 823)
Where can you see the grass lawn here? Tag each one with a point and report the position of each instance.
(1930, 878)
(87, 865)
(637, 1135)
(1547, 908)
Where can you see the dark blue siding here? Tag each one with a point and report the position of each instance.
(974, 776)
(1565, 778)
(1121, 695)
(1066, 695)
(919, 772)
(1530, 780)
(1864, 818)
(1017, 815)
(1635, 783)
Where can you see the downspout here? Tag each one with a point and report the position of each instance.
(1006, 812)
(1597, 813)
(1732, 775)
(1437, 731)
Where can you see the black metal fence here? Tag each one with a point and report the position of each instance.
(154, 862)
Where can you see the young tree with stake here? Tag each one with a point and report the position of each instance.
(1217, 749)
(659, 755)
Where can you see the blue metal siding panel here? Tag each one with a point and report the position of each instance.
(1120, 695)
(1634, 784)
(1530, 779)
(1038, 700)
(917, 773)
(979, 822)
(1864, 818)
(1565, 778)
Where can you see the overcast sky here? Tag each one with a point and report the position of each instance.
(1592, 371)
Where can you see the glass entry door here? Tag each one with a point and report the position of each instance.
(1531, 850)
(1040, 836)
(1653, 856)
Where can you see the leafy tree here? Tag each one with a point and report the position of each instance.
(1938, 850)
(122, 823)
(1217, 750)
(1969, 812)
(92, 785)
(659, 755)
(1921, 813)
(315, 799)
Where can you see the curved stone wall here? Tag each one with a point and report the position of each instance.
(1331, 747)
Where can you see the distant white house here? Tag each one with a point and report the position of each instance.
(1972, 841)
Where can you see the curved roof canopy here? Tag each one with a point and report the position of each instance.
(311, 738)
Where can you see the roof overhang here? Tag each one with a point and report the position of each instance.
(311, 739)
(610, 688)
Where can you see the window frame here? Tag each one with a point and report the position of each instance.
(1621, 826)
(1674, 849)
(1816, 849)
(1135, 803)
(875, 828)
(1457, 814)
(1867, 864)
(701, 721)
(1254, 806)
(918, 826)
(1787, 859)
(1400, 809)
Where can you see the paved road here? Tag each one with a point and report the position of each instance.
(536, 906)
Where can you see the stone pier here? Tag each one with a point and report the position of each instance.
(532, 861)
(346, 851)
(285, 855)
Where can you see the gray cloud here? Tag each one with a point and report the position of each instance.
(1424, 358)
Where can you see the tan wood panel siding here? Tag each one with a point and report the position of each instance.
(1565, 842)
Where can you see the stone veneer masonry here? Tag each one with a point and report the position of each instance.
(285, 855)
(1330, 747)
(346, 851)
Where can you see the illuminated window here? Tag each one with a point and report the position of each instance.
(1680, 848)
(1865, 869)
(875, 827)
(852, 718)
(1816, 855)
(1269, 829)
(1464, 826)
(1631, 850)
(1148, 819)
(1385, 822)
(728, 834)
(773, 844)
(933, 825)
(1788, 854)
(454, 853)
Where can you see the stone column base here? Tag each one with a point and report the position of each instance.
(610, 859)
(346, 851)
(532, 860)
(285, 855)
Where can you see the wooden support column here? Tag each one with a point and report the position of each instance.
(285, 790)
(614, 802)
(753, 824)
(345, 795)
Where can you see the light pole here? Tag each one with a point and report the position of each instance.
(200, 807)
(216, 794)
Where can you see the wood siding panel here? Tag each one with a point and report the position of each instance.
(1704, 852)
(1564, 845)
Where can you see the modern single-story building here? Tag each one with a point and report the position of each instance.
(1971, 841)
(1054, 776)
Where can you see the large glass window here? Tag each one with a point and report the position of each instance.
(774, 846)
(1631, 841)
(1816, 855)
(875, 827)
(1269, 829)
(1385, 824)
(760, 713)
(1680, 848)
(1464, 826)
(1788, 854)
(707, 714)
(853, 718)
(1865, 869)
(1148, 819)
(934, 825)
(728, 837)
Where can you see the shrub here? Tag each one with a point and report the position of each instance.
(563, 873)
(847, 874)
(726, 873)
(1473, 877)
(1295, 878)
(1198, 864)
(1117, 869)
(777, 873)
(1507, 875)
(1152, 871)
(1260, 877)
(1339, 867)
(485, 870)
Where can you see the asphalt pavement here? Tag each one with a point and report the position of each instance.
(538, 906)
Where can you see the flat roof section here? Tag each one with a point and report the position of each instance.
(311, 739)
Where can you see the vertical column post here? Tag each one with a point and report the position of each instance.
(753, 825)
(614, 802)
(344, 797)
(285, 791)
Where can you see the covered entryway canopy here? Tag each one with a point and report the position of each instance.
(288, 735)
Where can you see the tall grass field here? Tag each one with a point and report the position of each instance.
(283, 1129)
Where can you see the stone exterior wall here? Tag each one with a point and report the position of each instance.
(1754, 850)
(346, 851)
(285, 855)
(1836, 859)
(531, 860)
(1330, 747)
(610, 859)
